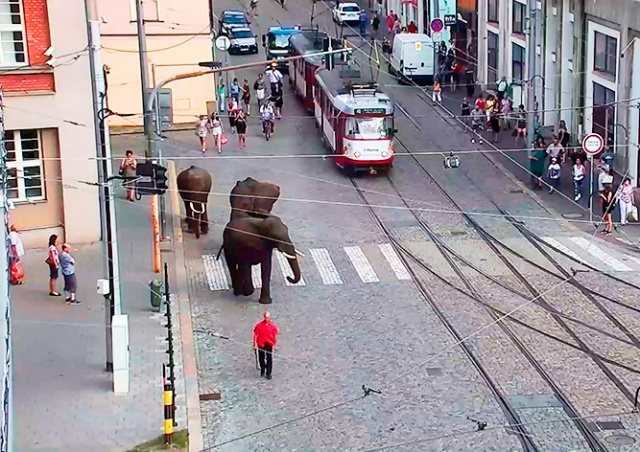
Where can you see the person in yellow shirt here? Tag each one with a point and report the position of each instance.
(488, 106)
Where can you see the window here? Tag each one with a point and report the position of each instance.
(517, 58)
(24, 165)
(519, 17)
(604, 113)
(492, 10)
(493, 56)
(152, 10)
(12, 36)
(374, 128)
(606, 53)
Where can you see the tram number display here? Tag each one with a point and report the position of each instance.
(370, 111)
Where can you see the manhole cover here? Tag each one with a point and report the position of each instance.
(515, 190)
(457, 233)
(211, 396)
(620, 440)
(572, 216)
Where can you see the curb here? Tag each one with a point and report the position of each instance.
(190, 370)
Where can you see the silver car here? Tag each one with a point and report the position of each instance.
(242, 41)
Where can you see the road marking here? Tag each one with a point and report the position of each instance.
(216, 272)
(326, 268)
(364, 269)
(601, 255)
(395, 262)
(560, 247)
(632, 258)
(286, 270)
(256, 276)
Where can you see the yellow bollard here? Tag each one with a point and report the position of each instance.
(168, 414)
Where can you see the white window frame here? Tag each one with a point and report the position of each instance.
(158, 9)
(21, 28)
(19, 164)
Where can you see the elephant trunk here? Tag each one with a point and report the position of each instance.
(295, 268)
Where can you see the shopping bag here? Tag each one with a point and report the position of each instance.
(634, 214)
(224, 139)
(17, 272)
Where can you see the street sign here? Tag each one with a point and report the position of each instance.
(450, 20)
(436, 37)
(437, 25)
(592, 144)
(223, 43)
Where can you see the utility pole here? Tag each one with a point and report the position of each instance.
(144, 79)
(113, 301)
(534, 18)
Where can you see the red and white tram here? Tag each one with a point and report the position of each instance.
(302, 71)
(356, 122)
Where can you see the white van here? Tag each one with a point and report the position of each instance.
(413, 58)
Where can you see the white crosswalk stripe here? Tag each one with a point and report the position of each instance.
(361, 264)
(326, 267)
(216, 272)
(601, 255)
(396, 264)
(285, 268)
(560, 247)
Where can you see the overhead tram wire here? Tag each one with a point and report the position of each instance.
(190, 38)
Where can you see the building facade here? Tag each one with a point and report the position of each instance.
(50, 134)
(178, 38)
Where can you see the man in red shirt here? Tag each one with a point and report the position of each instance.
(265, 337)
(412, 28)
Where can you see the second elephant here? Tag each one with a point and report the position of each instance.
(253, 198)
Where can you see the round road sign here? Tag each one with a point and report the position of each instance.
(437, 25)
(223, 43)
(592, 144)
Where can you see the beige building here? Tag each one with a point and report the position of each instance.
(178, 38)
(50, 134)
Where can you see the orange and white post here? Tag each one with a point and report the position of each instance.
(155, 221)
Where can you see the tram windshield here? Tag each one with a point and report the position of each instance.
(278, 42)
(368, 128)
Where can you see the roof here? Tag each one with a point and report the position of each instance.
(309, 41)
(342, 90)
(350, 4)
(413, 37)
(237, 29)
(284, 30)
(232, 12)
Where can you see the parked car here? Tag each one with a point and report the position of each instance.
(230, 19)
(242, 41)
(346, 13)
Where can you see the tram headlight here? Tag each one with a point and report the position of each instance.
(384, 153)
(357, 154)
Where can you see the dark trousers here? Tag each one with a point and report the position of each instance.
(265, 358)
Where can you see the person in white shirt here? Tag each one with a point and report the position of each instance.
(626, 201)
(556, 151)
(275, 76)
(17, 249)
(578, 172)
(267, 114)
(553, 172)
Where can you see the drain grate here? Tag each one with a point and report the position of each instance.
(210, 396)
(434, 371)
(610, 425)
(515, 190)
(458, 232)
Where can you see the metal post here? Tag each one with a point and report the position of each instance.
(170, 351)
(144, 79)
(113, 304)
(436, 45)
(591, 182)
(531, 73)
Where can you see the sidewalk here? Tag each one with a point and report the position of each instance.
(63, 396)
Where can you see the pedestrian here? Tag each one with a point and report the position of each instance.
(505, 111)
(216, 131)
(278, 101)
(15, 254)
(241, 128)
(391, 20)
(494, 122)
(521, 125)
(578, 172)
(608, 202)
(253, 8)
(68, 269)
(363, 23)
(379, 9)
(503, 85)
(488, 107)
(553, 173)
(538, 158)
(555, 150)
(465, 111)
(128, 168)
(53, 261)
(234, 90)
(563, 134)
(437, 91)
(274, 75)
(479, 102)
(412, 27)
(477, 118)
(246, 97)
(232, 108)
(202, 129)
(627, 201)
(260, 88)
(603, 175)
(222, 96)
(375, 25)
(265, 339)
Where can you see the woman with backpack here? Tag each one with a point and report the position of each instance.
(608, 202)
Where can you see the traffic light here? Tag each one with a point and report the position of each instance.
(151, 179)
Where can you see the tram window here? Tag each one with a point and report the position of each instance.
(368, 128)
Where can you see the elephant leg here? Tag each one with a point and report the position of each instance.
(233, 272)
(245, 277)
(204, 221)
(196, 224)
(265, 267)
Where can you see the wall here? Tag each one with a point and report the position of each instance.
(634, 111)
(189, 96)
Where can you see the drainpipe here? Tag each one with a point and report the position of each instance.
(212, 34)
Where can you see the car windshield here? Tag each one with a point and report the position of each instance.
(234, 19)
(368, 128)
(242, 34)
(278, 41)
(351, 9)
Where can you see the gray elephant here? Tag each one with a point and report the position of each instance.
(253, 198)
(249, 241)
(194, 186)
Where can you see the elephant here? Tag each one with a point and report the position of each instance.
(194, 185)
(249, 241)
(253, 198)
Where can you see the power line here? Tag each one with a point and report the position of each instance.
(190, 38)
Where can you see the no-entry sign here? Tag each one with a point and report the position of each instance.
(592, 144)
(437, 25)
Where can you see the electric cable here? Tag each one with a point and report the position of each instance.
(191, 38)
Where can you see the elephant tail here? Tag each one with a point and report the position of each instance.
(219, 252)
(194, 210)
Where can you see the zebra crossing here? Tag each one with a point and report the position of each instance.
(374, 263)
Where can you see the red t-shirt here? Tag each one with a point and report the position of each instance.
(412, 28)
(265, 333)
(480, 104)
